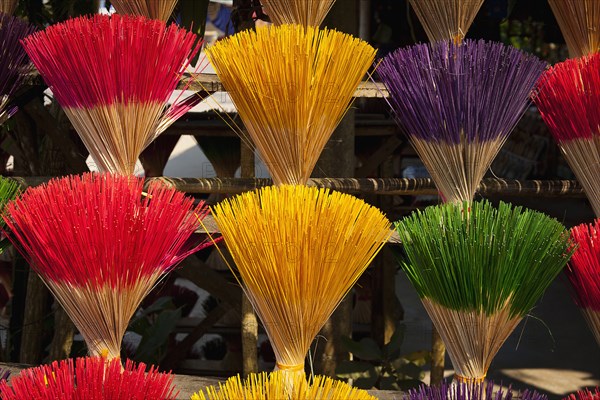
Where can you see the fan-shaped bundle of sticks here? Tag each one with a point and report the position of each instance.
(153, 9)
(14, 63)
(478, 271)
(303, 12)
(458, 104)
(586, 394)
(291, 86)
(469, 391)
(277, 386)
(114, 76)
(569, 102)
(100, 243)
(298, 250)
(92, 378)
(584, 273)
(579, 21)
(8, 6)
(446, 19)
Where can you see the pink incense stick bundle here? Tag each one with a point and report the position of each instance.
(101, 243)
(92, 378)
(113, 76)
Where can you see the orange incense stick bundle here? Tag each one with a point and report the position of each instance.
(114, 76)
(92, 378)
(100, 243)
(291, 85)
(299, 250)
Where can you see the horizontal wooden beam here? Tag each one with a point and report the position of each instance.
(379, 186)
(211, 83)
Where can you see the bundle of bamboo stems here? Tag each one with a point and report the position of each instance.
(458, 104)
(114, 76)
(446, 19)
(291, 86)
(153, 9)
(584, 273)
(579, 21)
(277, 386)
(303, 12)
(92, 378)
(569, 102)
(115, 242)
(478, 271)
(298, 251)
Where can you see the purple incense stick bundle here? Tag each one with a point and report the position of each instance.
(14, 63)
(469, 391)
(458, 103)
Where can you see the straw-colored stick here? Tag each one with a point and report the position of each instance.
(446, 19)
(8, 6)
(457, 169)
(102, 315)
(153, 9)
(471, 337)
(116, 135)
(303, 12)
(593, 318)
(583, 156)
(579, 21)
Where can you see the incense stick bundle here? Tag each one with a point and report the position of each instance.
(100, 243)
(458, 104)
(469, 391)
(114, 76)
(446, 19)
(276, 386)
(584, 273)
(92, 378)
(303, 12)
(298, 250)
(14, 64)
(579, 21)
(291, 86)
(8, 6)
(586, 394)
(153, 9)
(478, 271)
(569, 102)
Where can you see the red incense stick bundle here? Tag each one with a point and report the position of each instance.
(91, 378)
(100, 244)
(584, 273)
(113, 76)
(569, 102)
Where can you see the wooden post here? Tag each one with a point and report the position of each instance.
(438, 355)
(337, 160)
(249, 320)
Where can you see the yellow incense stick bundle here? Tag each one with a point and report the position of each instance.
(277, 386)
(303, 12)
(299, 250)
(446, 19)
(291, 85)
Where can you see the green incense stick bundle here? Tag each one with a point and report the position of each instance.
(478, 271)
